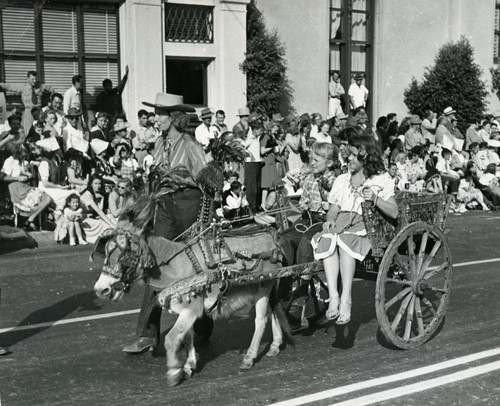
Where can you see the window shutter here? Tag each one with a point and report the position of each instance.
(58, 73)
(59, 30)
(99, 31)
(95, 73)
(16, 69)
(18, 29)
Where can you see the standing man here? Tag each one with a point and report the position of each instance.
(253, 165)
(142, 137)
(31, 95)
(219, 127)
(204, 132)
(336, 91)
(73, 96)
(55, 105)
(177, 212)
(358, 93)
(241, 127)
(110, 99)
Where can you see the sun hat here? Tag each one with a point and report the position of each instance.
(415, 119)
(120, 127)
(206, 113)
(73, 112)
(244, 111)
(448, 110)
(277, 117)
(166, 103)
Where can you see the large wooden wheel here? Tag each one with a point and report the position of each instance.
(413, 285)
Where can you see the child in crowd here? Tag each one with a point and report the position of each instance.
(234, 201)
(229, 178)
(70, 222)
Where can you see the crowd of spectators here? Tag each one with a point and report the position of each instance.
(82, 174)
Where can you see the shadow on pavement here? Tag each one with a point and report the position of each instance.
(51, 314)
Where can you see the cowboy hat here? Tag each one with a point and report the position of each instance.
(166, 103)
(342, 116)
(48, 144)
(73, 112)
(206, 113)
(359, 76)
(98, 145)
(448, 110)
(244, 111)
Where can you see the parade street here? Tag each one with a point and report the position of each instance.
(67, 345)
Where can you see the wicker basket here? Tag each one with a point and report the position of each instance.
(412, 207)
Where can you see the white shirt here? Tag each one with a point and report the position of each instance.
(235, 202)
(358, 94)
(320, 137)
(72, 98)
(12, 167)
(252, 144)
(203, 135)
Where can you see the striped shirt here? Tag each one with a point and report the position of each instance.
(180, 149)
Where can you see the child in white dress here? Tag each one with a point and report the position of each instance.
(70, 222)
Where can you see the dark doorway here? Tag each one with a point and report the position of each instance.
(188, 77)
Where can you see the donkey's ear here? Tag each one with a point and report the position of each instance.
(100, 245)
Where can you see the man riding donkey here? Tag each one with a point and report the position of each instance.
(175, 212)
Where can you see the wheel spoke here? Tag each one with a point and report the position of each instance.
(411, 255)
(436, 270)
(420, 318)
(401, 311)
(421, 252)
(403, 265)
(431, 256)
(399, 296)
(429, 306)
(399, 281)
(409, 319)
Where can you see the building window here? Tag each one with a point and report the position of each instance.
(188, 77)
(351, 40)
(59, 41)
(496, 39)
(186, 23)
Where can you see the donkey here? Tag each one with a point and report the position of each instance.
(131, 254)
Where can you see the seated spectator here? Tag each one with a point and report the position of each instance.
(102, 166)
(49, 172)
(429, 124)
(69, 223)
(50, 119)
(234, 202)
(472, 135)
(29, 199)
(481, 157)
(122, 196)
(74, 173)
(121, 121)
(323, 134)
(484, 130)
(229, 178)
(468, 193)
(489, 183)
(94, 204)
(100, 130)
(413, 136)
(397, 148)
(124, 165)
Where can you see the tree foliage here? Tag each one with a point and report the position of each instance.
(454, 80)
(268, 87)
(495, 80)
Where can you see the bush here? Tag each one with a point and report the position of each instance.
(454, 80)
(268, 88)
(495, 82)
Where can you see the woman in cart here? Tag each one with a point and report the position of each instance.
(344, 239)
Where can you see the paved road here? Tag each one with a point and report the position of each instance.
(82, 363)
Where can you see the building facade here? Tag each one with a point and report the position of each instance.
(179, 47)
(390, 41)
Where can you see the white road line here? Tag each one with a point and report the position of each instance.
(342, 390)
(421, 386)
(134, 311)
(68, 321)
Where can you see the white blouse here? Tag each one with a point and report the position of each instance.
(348, 198)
